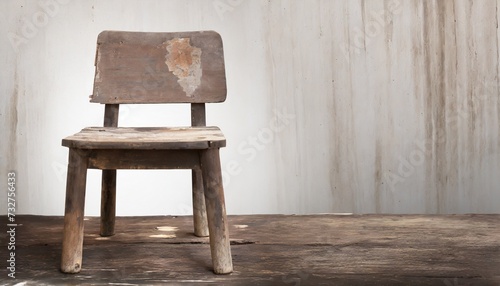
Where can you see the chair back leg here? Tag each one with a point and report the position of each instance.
(108, 202)
(199, 210)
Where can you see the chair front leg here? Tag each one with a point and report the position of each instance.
(199, 210)
(216, 211)
(108, 202)
(72, 245)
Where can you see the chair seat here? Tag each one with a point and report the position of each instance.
(152, 138)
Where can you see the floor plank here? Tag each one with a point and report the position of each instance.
(449, 250)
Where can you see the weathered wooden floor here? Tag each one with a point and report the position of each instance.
(452, 250)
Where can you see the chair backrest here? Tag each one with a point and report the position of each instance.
(139, 67)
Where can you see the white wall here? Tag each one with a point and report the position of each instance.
(389, 106)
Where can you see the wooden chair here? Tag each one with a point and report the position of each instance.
(137, 67)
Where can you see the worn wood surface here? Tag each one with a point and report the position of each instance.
(108, 202)
(108, 181)
(134, 67)
(143, 159)
(146, 138)
(216, 211)
(111, 113)
(451, 250)
(198, 114)
(198, 118)
(200, 221)
(71, 259)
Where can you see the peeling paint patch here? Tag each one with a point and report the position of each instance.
(240, 225)
(184, 61)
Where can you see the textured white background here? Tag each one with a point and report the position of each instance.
(396, 104)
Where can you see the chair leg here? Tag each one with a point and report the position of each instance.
(216, 211)
(72, 245)
(108, 202)
(199, 210)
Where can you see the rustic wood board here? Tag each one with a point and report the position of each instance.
(271, 250)
(139, 67)
(146, 138)
(143, 159)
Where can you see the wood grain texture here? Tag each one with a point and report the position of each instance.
(108, 202)
(272, 250)
(72, 245)
(198, 118)
(108, 181)
(146, 138)
(106, 159)
(198, 114)
(111, 112)
(138, 67)
(216, 211)
(199, 208)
